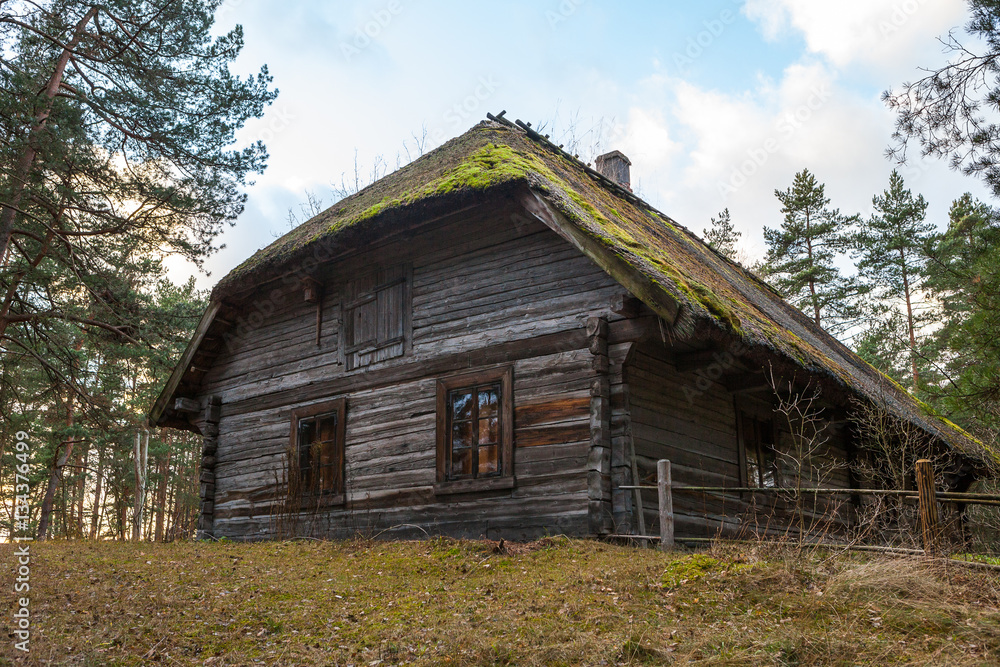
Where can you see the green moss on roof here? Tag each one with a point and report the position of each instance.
(491, 155)
(487, 167)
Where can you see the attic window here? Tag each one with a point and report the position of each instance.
(475, 431)
(376, 316)
(317, 450)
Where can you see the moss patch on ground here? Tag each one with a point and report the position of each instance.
(450, 602)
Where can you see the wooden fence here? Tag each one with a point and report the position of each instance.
(925, 493)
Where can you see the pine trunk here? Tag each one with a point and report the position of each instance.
(55, 473)
(8, 212)
(812, 283)
(161, 491)
(95, 516)
(909, 322)
(81, 487)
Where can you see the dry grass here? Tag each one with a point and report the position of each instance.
(553, 602)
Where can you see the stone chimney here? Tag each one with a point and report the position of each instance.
(615, 166)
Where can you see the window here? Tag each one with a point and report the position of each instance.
(317, 450)
(757, 442)
(376, 317)
(475, 431)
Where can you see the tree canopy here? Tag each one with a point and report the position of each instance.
(800, 254)
(119, 121)
(954, 112)
(963, 274)
(889, 253)
(118, 125)
(723, 236)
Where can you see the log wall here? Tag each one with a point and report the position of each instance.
(488, 288)
(691, 420)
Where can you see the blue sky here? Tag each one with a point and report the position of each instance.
(716, 103)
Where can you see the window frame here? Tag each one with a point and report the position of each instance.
(504, 376)
(761, 426)
(336, 407)
(349, 302)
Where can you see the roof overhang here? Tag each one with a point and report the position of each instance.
(163, 412)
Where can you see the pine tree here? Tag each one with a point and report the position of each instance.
(963, 274)
(117, 124)
(882, 342)
(889, 252)
(800, 254)
(117, 130)
(722, 236)
(949, 112)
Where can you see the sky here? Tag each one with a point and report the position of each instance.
(716, 103)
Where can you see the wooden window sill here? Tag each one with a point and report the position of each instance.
(474, 485)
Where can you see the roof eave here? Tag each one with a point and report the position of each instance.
(159, 416)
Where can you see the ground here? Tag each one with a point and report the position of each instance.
(447, 602)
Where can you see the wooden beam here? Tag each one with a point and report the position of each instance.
(182, 404)
(599, 458)
(629, 331)
(663, 484)
(928, 507)
(626, 305)
(160, 407)
(564, 341)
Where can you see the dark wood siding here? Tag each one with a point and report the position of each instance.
(488, 289)
(692, 422)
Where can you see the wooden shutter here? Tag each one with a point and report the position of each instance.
(377, 316)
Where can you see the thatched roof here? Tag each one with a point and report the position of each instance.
(673, 271)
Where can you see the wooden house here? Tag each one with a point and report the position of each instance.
(493, 341)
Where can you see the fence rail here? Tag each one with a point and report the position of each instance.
(925, 494)
(969, 498)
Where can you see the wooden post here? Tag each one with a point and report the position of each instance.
(928, 506)
(666, 504)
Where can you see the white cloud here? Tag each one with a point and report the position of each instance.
(735, 150)
(647, 141)
(684, 137)
(770, 15)
(888, 34)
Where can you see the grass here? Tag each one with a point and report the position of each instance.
(448, 602)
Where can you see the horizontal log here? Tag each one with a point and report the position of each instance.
(551, 435)
(371, 379)
(552, 411)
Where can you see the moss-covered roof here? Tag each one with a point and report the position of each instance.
(710, 288)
